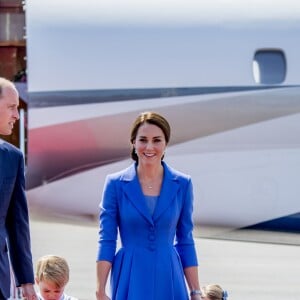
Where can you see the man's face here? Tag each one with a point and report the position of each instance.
(9, 114)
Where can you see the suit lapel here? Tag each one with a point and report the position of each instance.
(7, 161)
(168, 191)
(132, 189)
(2, 160)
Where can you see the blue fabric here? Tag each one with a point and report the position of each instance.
(14, 223)
(151, 202)
(154, 248)
(224, 295)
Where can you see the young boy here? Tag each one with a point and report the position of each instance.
(52, 275)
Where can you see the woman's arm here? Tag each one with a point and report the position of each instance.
(191, 275)
(103, 268)
(107, 237)
(186, 245)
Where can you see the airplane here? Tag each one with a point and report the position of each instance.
(224, 73)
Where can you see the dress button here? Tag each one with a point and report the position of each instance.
(151, 247)
(151, 228)
(151, 237)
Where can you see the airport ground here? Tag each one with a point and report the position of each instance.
(250, 265)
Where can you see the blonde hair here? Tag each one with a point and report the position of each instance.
(54, 269)
(214, 292)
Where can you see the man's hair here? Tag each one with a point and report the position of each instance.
(54, 269)
(3, 83)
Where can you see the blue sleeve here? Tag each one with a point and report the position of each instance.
(17, 224)
(184, 234)
(108, 224)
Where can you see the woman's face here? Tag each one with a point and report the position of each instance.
(150, 144)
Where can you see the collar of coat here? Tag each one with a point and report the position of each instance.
(169, 188)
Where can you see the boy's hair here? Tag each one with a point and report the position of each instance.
(54, 269)
(214, 292)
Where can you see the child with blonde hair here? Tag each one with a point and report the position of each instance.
(213, 292)
(52, 275)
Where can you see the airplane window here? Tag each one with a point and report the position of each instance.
(269, 66)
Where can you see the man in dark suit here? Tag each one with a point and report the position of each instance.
(14, 220)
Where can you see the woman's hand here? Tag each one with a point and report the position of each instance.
(101, 296)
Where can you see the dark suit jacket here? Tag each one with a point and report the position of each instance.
(14, 223)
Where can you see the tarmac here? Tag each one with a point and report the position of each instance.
(248, 264)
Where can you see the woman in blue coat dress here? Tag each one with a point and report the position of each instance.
(150, 204)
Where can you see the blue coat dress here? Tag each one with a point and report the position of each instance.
(154, 248)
